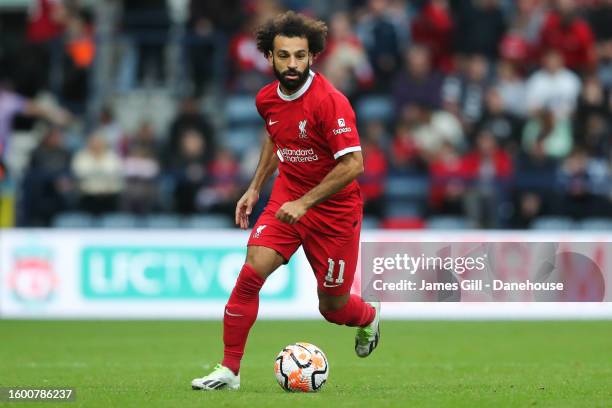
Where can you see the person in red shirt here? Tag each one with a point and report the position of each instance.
(488, 169)
(315, 202)
(433, 27)
(46, 20)
(569, 34)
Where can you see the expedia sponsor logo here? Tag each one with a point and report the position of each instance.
(342, 130)
(298, 155)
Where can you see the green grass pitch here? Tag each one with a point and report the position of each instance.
(418, 364)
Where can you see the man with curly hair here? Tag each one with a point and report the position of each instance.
(315, 202)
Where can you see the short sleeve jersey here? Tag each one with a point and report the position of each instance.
(311, 129)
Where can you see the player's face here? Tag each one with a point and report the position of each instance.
(290, 61)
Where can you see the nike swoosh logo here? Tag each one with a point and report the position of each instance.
(331, 286)
(270, 123)
(233, 314)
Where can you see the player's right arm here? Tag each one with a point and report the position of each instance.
(268, 163)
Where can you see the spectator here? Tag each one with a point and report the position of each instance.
(433, 27)
(502, 124)
(98, 171)
(13, 104)
(553, 87)
(480, 27)
(189, 170)
(381, 40)
(521, 42)
(404, 152)
(145, 24)
(249, 70)
(222, 187)
(432, 128)
(579, 177)
(141, 170)
(209, 26)
(109, 128)
(344, 61)
(463, 94)
(565, 31)
(512, 89)
(599, 17)
(535, 179)
(593, 119)
(489, 169)
(79, 55)
(448, 181)
(555, 134)
(375, 165)
(47, 184)
(41, 60)
(417, 83)
(190, 117)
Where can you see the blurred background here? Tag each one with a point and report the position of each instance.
(492, 114)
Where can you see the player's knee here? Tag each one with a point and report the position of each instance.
(264, 262)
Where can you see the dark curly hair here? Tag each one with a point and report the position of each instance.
(291, 24)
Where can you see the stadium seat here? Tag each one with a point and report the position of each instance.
(596, 224)
(553, 223)
(403, 223)
(208, 221)
(444, 222)
(403, 208)
(369, 222)
(375, 107)
(407, 187)
(241, 110)
(73, 220)
(241, 139)
(119, 220)
(162, 221)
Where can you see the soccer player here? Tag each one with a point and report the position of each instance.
(315, 201)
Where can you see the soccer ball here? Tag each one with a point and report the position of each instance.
(301, 367)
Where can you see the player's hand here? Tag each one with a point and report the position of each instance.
(245, 207)
(291, 211)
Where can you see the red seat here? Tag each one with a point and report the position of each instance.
(403, 223)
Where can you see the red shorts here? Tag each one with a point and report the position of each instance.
(332, 258)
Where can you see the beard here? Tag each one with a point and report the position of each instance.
(292, 85)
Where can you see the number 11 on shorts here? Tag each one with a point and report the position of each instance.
(330, 271)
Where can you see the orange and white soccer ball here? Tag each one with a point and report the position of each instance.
(301, 367)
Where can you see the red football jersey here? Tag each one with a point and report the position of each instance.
(311, 129)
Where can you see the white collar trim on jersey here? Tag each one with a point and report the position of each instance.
(299, 92)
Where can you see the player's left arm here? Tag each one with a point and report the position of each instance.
(348, 168)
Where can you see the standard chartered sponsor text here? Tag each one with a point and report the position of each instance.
(299, 155)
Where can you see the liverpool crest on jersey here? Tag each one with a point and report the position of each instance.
(302, 129)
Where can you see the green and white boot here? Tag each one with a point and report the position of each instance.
(221, 378)
(367, 337)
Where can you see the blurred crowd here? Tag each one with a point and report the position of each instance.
(496, 111)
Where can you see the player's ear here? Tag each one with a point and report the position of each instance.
(270, 58)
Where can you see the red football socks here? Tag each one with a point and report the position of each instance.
(355, 313)
(240, 314)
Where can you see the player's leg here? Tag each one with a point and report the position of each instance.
(347, 309)
(243, 304)
(271, 244)
(334, 261)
